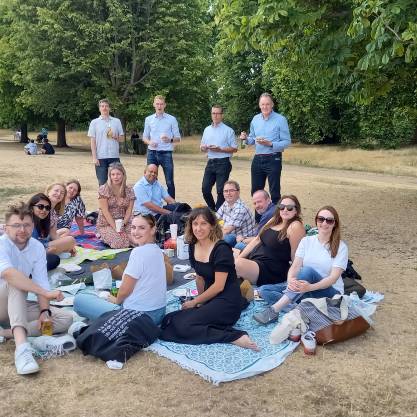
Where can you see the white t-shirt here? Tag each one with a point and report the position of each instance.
(31, 260)
(146, 264)
(105, 147)
(317, 256)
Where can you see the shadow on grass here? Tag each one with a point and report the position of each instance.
(8, 192)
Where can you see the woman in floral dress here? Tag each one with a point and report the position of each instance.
(115, 200)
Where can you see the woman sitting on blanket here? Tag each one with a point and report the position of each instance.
(45, 230)
(143, 285)
(57, 193)
(115, 200)
(209, 317)
(317, 268)
(266, 259)
(74, 209)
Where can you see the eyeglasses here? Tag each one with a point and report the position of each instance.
(289, 207)
(18, 226)
(42, 207)
(229, 191)
(328, 220)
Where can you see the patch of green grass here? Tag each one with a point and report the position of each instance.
(11, 192)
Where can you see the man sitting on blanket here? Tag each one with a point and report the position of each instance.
(23, 270)
(150, 194)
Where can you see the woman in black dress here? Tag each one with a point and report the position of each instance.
(209, 317)
(266, 259)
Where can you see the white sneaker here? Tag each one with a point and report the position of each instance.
(54, 346)
(24, 361)
(76, 327)
(308, 340)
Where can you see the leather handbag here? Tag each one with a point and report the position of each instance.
(340, 331)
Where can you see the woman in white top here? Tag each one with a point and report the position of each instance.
(143, 286)
(317, 268)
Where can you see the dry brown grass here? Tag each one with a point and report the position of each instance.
(374, 375)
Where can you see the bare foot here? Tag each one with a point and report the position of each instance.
(247, 343)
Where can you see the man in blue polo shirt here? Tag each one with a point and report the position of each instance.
(270, 133)
(150, 194)
(105, 133)
(219, 143)
(160, 133)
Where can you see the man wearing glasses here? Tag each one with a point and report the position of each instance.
(160, 133)
(23, 270)
(270, 133)
(219, 143)
(236, 216)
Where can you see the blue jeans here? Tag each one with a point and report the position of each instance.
(271, 293)
(230, 239)
(240, 246)
(91, 306)
(102, 169)
(312, 276)
(263, 167)
(164, 158)
(217, 172)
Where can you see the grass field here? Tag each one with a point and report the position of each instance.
(374, 375)
(395, 162)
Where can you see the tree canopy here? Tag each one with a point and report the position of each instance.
(340, 71)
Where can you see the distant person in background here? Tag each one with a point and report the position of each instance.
(47, 148)
(160, 133)
(44, 133)
(219, 143)
(134, 138)
(31, 148)
(105, 133)
(74, 208)
(270, 133)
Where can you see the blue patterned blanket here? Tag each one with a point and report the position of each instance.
(225, 362)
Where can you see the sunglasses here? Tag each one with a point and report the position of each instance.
(289, 207)
(328, 220)
(43, 207)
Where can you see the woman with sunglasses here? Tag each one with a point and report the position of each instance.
(266, 259)
(115, 200)
(317, 268)
(209, 317)
(45, 230)
(143, 286)
(74, 208)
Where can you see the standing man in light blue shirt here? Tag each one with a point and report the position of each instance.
(105, 133)
(270, 133)
(219, 142)
(151, 195)
(160, 133)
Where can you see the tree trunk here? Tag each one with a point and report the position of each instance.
(125, 145)
(61, 141)
(24, 133)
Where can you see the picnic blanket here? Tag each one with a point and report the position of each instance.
(218, 362)
(84, 254)
(88, 240)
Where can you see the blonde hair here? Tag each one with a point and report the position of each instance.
(121, 168)
(159, 97)
(59, 208)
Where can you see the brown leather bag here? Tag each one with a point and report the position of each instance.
(342, 330)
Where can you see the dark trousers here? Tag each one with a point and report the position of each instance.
(164, 158)
(217, 172)
(267, 166)
(102, 169)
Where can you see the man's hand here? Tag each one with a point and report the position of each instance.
(54, 295)
(165, 138)
(263, 141)
(215, 148)
(96, 162)
(243, 135)
(153, 144)
(44, 316)
(204, 148)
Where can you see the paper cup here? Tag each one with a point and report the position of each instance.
(173, 228)
(119, 225)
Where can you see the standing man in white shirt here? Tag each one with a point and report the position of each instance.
(161, 132)
(22, 257)
(219, 142)
(105, 133)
